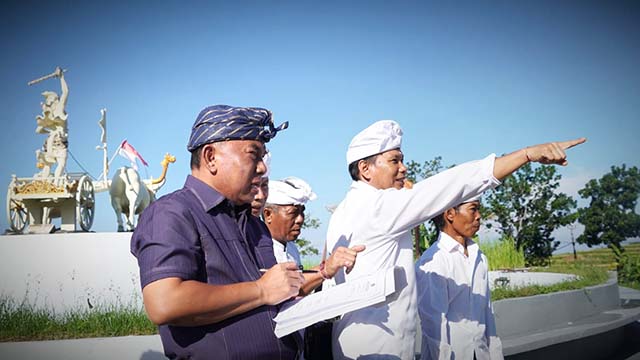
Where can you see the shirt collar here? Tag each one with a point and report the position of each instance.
(208, 196)
(361, 185)
(279, 245)
(450, 244)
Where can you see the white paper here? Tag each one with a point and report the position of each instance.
(334, 301)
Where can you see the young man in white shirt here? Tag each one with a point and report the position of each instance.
(378, 213)
(454, 301)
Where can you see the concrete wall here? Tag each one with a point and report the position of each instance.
(528, 314)
(66, 271)
(526, 278)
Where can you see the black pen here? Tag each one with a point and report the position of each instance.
(302, 271)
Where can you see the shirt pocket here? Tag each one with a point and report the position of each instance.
(228, 259)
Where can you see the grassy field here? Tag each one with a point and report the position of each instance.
(587, 276)
(502, 254)
(21, 322)
(602, 258)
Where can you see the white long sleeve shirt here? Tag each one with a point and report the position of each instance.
(286, 252)
(454, 302)
(381, 220)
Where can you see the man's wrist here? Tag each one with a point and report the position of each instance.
(526, 154)
(323, 271)
(261, 292)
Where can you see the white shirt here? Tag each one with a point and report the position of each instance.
(454, 302)
(286, 252)
(381, 220)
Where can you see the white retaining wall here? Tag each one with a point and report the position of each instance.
(67, 271)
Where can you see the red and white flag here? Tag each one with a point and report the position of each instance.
(127, 151)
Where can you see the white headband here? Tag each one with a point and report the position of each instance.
(290, 191)
(379, 137)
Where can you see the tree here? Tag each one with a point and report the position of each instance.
(425, 234)
(304, 245)
(611, 218)
(527, 208)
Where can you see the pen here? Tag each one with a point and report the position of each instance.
(302, 271)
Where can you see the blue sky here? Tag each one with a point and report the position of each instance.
(464, 80)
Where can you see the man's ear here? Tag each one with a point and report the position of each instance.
(208, 158)
(267, 214)
(449, 214)
(364, 169)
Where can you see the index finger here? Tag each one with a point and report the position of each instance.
(358, 248)
(571, 143)
(290, 265)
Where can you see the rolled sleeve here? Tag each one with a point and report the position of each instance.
(166, 243)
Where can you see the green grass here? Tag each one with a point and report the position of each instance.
(308, 264)
(502, 254)
(587, 276)
(591, 266)
(603, 258)
(21, 322)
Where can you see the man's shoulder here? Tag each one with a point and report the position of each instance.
(434, 254)
(181, 201)
(258, 225)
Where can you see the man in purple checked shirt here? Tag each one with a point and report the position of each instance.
(200, 251)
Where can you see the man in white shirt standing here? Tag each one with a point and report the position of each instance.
(378, 213)
(284, 216)
(454, 301)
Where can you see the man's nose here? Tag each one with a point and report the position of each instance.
(261, 168)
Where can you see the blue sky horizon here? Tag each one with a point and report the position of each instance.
(463, 80)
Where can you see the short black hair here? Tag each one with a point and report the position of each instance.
(353, 167)
(438, 221)
(195, 157)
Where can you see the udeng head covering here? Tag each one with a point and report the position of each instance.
(290, 191)
(224, 122)
(379, 137)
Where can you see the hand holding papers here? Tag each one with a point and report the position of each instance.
(335, 301)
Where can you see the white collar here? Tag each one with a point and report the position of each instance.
(450, 244)
(276, 242)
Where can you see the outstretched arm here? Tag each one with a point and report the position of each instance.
(63, 86)
(549, 153)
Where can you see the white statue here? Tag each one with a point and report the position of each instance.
(131, 195)
(53, 122)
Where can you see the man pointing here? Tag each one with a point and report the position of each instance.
(378, 213)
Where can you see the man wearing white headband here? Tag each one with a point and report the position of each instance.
(379, 213)
(454, 301)
(284, 216)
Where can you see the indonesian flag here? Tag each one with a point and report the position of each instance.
(127, 151)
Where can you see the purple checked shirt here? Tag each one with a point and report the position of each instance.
(196, 234)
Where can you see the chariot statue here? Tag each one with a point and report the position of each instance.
(55, 193)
